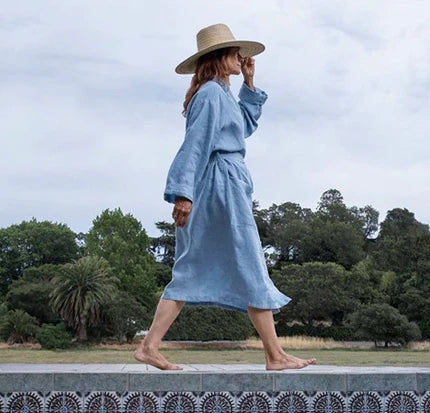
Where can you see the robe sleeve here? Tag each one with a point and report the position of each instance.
(251, 102)
(201, 129)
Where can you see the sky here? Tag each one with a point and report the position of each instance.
(90, 105)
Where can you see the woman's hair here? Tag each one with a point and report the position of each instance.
(208, 66)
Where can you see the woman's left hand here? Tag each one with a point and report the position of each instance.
(181, 210)
(248, 67)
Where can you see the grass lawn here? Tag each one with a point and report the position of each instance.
(338, 357)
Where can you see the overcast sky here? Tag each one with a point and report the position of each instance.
(90, 105)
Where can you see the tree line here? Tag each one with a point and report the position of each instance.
(349, 277)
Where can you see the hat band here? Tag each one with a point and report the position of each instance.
(209, 41)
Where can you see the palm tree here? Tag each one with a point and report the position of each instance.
(80, 290)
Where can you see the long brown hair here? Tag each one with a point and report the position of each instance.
(208, 66)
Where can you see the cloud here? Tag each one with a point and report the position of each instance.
(90, 104)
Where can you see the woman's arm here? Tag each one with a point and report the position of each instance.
(251, 98)
(202, 127)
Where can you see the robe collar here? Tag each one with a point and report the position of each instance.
(223, 84)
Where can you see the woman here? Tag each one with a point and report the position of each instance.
(219, 260)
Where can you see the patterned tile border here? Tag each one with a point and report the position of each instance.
(216, 402)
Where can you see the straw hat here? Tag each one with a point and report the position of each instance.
(216, 37)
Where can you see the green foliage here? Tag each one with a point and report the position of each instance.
(332, 208)
(339, 333)
(381, 322)
(210, 323)
(163, 274)
(284, 227)
(334, 233)
(124, 316)
(319, 292)
(403, 247)
(17, 327)
(3, 308)
(121, 240)
(400, 222)
(414, 299)
(31, 292)
(31, 244)
(368, 216)
(326, 260)
(403, 244)
(367, 284)
(80, 290)
(54, 336)
(164, 246)
(333, 241)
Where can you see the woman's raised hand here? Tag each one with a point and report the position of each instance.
(248, 67)
(181, 211)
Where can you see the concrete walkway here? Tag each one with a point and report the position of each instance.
(139, 367)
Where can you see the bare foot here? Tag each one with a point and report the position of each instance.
(299, 360)
(154, 358)
(288, 362)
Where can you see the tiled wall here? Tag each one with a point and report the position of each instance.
(215, 402)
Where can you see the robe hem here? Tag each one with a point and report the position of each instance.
(275, 310)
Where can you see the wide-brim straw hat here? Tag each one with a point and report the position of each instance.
(216, 37)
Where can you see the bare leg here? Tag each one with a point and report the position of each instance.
(147, 350)
(276, 358)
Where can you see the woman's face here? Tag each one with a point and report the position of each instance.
(233, 62)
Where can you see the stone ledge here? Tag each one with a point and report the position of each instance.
(209, 378)
(121, 388)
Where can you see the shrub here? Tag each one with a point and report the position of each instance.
(204, 323)
(17, 327)
(54, 336)
(121, 318)
(382, 322)
(338, 333)
(125, 316)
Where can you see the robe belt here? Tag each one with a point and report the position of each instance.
(229, 155)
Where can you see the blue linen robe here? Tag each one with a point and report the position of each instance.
(219, 260)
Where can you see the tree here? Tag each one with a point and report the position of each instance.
(124, 316)
(400, 222)
(334, 233)
(319, 292)
(284, 228)
(403, 247)
(31, 244)
(381, 322)
(332, 207)
(163, 275)
(80, 290)
(403, 243)
(31, 292)
(333, 241)
(368, 216)
(164, 245)
(367, 284)
(121, 240)
(414, 299)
